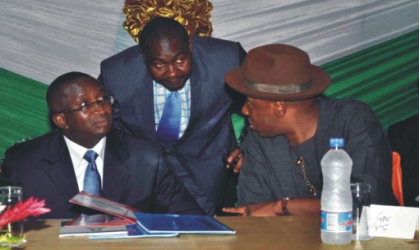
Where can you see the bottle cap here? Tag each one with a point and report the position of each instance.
(336, 142)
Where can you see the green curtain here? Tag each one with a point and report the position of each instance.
(23, 109)
(385, 76)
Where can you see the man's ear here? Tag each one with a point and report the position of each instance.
(60, 121)
(280, 108)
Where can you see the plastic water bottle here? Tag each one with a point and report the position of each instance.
(336, 199)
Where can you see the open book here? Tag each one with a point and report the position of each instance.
(114, 220)
(121, 221)
(118, 220)
(181, 223)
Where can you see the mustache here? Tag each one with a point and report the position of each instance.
(95, 118)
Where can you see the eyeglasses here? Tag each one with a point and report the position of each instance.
(90, 106)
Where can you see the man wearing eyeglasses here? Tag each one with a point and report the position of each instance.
(85, 153)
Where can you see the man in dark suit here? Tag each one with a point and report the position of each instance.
(170, 64)
(84, 153)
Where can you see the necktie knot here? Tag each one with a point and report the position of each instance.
(90, 156)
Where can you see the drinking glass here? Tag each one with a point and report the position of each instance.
(10, 196)
(361, 200)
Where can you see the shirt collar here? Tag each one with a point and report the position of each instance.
(77, 152)
(186, 86)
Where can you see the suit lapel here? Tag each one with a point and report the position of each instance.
(199, 97)
(61, 170)
(115, 172)
(142, 101)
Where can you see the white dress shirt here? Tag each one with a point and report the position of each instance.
(79, 164)
(159, 95)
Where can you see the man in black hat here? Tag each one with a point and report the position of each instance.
(290, 128)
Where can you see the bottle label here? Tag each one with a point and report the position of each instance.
(336, 221)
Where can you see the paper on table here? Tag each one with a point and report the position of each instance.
(393, 221)
(66, 231)
(133, 231)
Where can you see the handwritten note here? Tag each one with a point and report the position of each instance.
(393, 221)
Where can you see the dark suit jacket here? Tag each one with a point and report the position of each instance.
(198, 156)
(135, 174)
(404, 138)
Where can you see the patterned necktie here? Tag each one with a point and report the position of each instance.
(92, 182)
(170, 123)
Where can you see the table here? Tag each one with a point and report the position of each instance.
(287, 232)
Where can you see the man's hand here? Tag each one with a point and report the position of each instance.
(235, 160)
(298, 206)
(235, 210)
(261, 209)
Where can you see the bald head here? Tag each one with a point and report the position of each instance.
(56, 93)
(162, 28)
(80, 107)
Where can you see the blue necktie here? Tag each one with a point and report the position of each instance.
(170, 123)
(92, 182)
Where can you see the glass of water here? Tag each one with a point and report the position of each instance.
(10, 196)
(361, 200)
